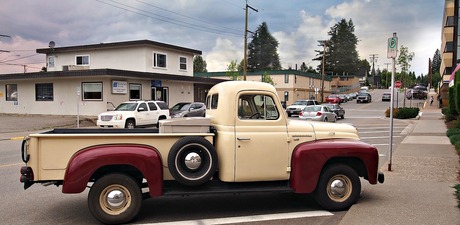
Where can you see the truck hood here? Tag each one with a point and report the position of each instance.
(322, 130)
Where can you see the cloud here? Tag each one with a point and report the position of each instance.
(222, 54)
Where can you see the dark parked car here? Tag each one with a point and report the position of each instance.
(337, 109)
(417, 94)
(364, 97)
(188, 109)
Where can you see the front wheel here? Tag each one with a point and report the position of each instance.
(130, 124)
(115, 198)
(338, 188)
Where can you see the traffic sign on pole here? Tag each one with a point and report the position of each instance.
(398, 84)
(392, 47)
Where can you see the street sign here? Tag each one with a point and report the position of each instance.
(392, 51)
(398, 84)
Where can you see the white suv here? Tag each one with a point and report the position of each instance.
(299, 105)
(134, 113)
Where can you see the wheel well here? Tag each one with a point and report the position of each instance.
(162, 118)
(355, 163)
(126, 169)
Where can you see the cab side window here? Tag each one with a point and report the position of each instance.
(257, 107)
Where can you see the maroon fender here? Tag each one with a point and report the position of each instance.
(308, 160)
(84, 163)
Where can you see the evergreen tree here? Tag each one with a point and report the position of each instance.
(436, 63)
(199, 64)
(342, 57)
(263, 51)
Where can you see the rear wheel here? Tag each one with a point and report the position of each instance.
(342, 116)
(325, 119)
(115, 198)
(338, 187)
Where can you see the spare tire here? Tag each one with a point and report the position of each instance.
(192, 160)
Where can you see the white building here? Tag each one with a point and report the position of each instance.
(91, 79)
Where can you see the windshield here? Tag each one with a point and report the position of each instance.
(300, 103)
(181, 107)
(126, 107)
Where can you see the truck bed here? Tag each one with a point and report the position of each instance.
(101, 131)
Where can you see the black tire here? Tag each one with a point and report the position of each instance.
(289, 114)
(342, 116)
(130, 124)
(346, 193)
(192, 160)
(122, 209)
(325, 119)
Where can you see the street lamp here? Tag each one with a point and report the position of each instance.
(324, 44)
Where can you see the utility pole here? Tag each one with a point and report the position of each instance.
(373, 58)
(429, 73)
(245, 60)
(324, 44)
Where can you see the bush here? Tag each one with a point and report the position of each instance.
(454, 139)
(403, 113)
(457, 192)
(452, 131)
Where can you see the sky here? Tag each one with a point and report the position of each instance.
(216, 27)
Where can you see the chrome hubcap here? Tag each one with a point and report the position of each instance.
(339, 188)
(192, 160)
(115, 198)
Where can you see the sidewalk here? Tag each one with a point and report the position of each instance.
(419, 189)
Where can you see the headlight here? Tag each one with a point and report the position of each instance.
(178, 115)
(118, 117)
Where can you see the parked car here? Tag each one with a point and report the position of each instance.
(318, 113)
(333, 98)
(132, 114)
(343, 98)
(364, 97)
(386, 96)
(337, 109)
(188, 109)
(416, 94)
(298, 105)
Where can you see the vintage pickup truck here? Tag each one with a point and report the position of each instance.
(245, 144)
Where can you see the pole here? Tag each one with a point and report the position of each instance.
(390, 155)
(245, 63)
(245, 60)
(324, 43)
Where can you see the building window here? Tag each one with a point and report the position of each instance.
(44, 92)
(286, 78)
(11, 91)
(159, 60)
(51, 62)
(92, 91)
(135, 91)
(82, 60)
(182, 63)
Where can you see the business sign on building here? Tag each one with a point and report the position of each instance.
(155, 83)
(119, 87)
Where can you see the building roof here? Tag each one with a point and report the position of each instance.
(116, 45)
(108, 72)
(259, 73)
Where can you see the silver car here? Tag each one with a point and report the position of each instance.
(318, 113)
(188, 109)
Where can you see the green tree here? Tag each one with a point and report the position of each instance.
(199, 64)
(263, 51)
(436, 63)
(232, 71)
(241, 65)
(403, 61)
(267, 79)
(342, 55)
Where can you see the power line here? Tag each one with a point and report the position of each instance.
(189, 17)
(166, 19)
(19, 58)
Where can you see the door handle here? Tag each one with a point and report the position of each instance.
(243, 139)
